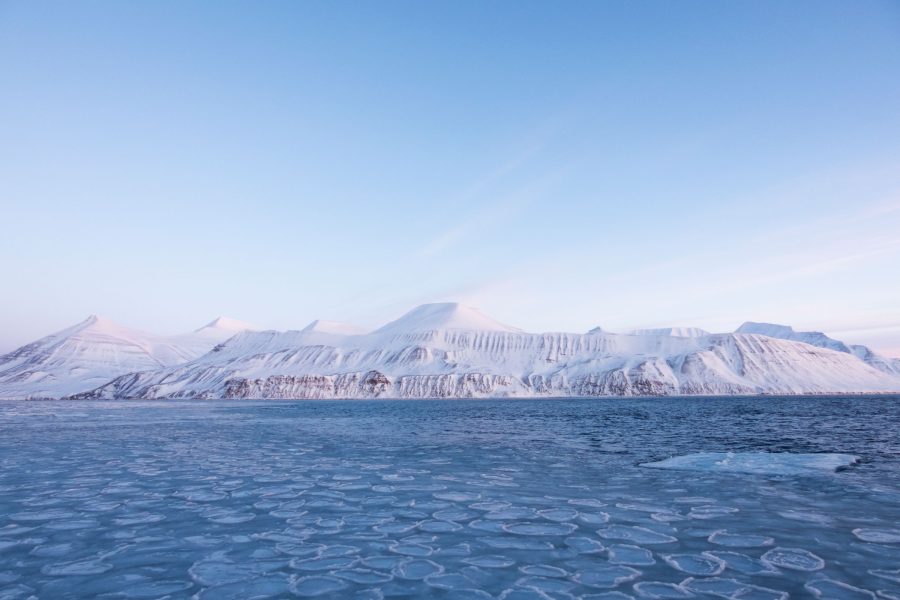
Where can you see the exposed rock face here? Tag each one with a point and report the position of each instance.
(369, 385)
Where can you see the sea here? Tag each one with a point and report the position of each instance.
(741, 498)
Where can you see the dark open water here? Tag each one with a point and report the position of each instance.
(445, 499)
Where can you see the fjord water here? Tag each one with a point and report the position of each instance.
(447, 499)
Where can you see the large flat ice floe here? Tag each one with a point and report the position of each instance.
(759, 463)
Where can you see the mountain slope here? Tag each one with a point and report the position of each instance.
(96, 350)
(444, 316)
(673, 331)
(454, 351)
(817, 338)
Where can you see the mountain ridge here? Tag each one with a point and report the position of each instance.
(95, 350)
(444, 350)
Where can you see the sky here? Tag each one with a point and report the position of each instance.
(560, 166)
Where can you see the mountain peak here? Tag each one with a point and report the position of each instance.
(95, 320)
(814, 338)
(228, 324)
(443, 316)
(334, 328)
(769, 329)
(689, 332)
(94, 323)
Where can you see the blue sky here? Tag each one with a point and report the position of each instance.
(559, 165)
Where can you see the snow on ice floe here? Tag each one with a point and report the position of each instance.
(731, 588)
(879, 536)
(758, 463)
(795, 559)
(829, 588)
(722, 537)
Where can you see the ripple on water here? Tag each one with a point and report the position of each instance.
(52, 550)
(17, 592)
(77, 567)
(42, 515)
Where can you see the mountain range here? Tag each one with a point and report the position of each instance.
(444, 350)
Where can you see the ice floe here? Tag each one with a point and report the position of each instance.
(758, 463)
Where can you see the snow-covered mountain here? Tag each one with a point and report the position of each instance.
(453, 351)
(817, 338)
(96, 350)
(673, 331)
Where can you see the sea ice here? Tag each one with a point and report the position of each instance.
(890, 575)
(317, 585)
(636, 534)
(742, 563)
(796, 559)
(625, 554)
(490, 561)
(170, 507)
(417, 568)
(695, 564)
(659, 589)
(829, 588)
(606, 576)
(739, 540)
(879, 536)
(758, 463)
